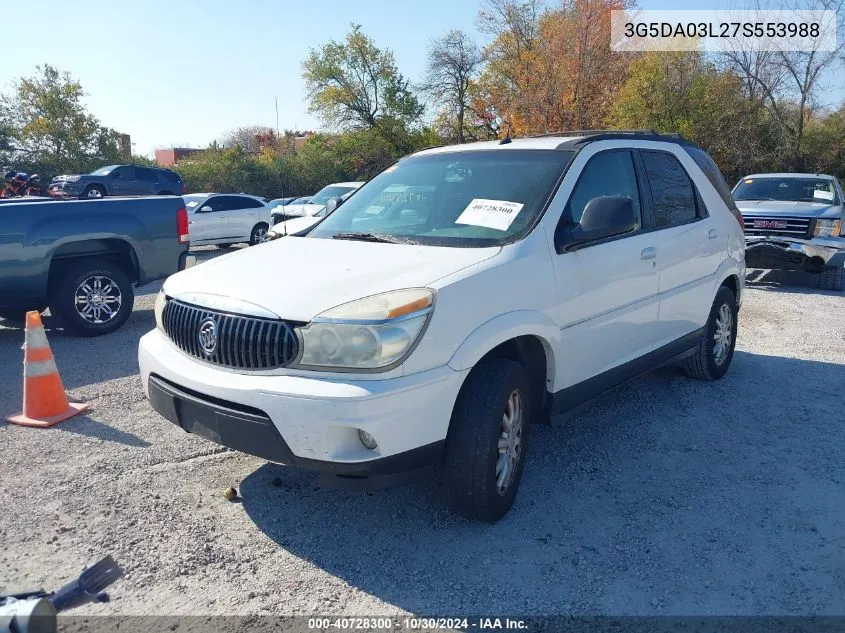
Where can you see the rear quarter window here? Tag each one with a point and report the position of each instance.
(714, 175)
(170, 176)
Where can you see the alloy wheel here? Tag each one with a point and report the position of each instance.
(510, 441)
(722, 334)
(98, 299)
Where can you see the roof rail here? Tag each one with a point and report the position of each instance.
(642, 132)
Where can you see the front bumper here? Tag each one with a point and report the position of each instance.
(63, 189)
(783, 253)
(304, 420)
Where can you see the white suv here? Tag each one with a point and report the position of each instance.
(462, 294)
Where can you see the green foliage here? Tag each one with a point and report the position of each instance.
(355, 85)
(49, 128)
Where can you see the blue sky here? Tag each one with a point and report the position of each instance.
(183, 72)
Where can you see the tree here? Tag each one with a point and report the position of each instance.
(51, 127)
(250, 138)
(453, 64)
(787, 83)
(355, 85)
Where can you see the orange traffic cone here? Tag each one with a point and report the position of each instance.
(44, 399)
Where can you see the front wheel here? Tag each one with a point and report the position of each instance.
(93, 192)
(715, 348)
(92, 298)
(259, 234)
(488, 433)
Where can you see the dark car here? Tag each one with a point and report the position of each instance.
(83, 258)
(118, 180)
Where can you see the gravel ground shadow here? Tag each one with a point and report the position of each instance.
(652, 500)
(791, 281)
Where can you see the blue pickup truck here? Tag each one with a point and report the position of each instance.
(83, 258)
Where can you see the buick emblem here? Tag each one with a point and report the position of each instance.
(207, 336)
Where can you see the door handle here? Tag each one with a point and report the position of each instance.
(713, 234)
(648, 253)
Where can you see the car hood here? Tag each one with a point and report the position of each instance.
(297, 278)
(778, 207)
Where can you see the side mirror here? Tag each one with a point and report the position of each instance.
(205, 209)
(332, 204)
(604, 216)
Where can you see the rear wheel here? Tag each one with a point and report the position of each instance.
(222, 245)
(259, 234)
(715, 348)
(831, 279)
(165, 193)
(485, 448)
(92, 298)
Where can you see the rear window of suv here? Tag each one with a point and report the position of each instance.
(172, 176)
(706, 164)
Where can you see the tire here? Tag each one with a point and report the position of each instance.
(18, 316)
(705, 363)
(259, 233)
(93, 192)
(831, 279)
(165, 193)
(472, 444)
(83, 279)
(222, 245)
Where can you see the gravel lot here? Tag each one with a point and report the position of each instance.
(667, 497)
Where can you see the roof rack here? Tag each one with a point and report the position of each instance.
(642, 132)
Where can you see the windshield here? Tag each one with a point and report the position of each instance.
(471, 198)
(103, 171)
(787, 189)
(332, 191)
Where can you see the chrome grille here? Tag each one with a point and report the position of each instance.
(243, 342)
(776, 225)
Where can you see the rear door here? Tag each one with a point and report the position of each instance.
(689, 244)
(244, 214)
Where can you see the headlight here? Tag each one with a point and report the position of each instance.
(376, 332)
(73, 178)
(828, 228)
(158, 309)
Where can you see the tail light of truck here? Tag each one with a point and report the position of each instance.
(739, 219)
(182, 225)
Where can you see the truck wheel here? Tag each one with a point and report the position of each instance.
(259, 234)
(92, 297)
(831, 279)
(93, 192)
(487, 440)
(715, 348)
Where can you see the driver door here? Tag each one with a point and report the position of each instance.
(123, 181)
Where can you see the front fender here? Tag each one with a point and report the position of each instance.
(503, 328)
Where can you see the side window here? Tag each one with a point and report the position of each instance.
(608, 173)
(241, 202)
(706, 164)
(672, 192)
(123, 173)
(145, 174)
(217, 203)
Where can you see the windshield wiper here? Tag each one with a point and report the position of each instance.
(373, 237)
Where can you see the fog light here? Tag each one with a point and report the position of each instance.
(367, 440)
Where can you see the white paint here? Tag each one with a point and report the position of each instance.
(36, 338)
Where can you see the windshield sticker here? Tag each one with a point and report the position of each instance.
(493, 214)
(193, 203)
(748, 181)
(397, 188)
(821, 194)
